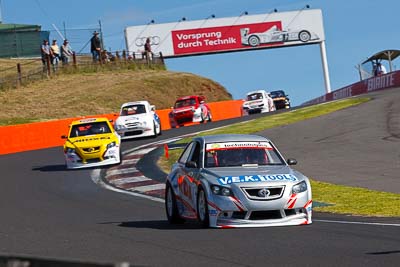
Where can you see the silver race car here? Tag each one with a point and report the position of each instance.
(232, 180)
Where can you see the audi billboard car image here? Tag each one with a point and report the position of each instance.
(236, 180)
(275, 35)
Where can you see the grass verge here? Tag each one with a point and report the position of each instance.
(343, 199)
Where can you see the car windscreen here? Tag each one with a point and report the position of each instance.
(185, 103)
(133, 110)
(275, 94)
(254, 96)
(231, 154)
(91, 128)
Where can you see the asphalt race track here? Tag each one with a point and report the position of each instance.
(47, 211)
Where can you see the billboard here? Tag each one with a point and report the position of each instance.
(218, 35)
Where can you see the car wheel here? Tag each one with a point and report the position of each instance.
(209, 117)
(202, 209)
(170, 206)
(154, 129)
(304, 36)
(160, 132)
(202, 118)
(254, 41)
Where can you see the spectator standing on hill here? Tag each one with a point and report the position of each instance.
(46, 54)
(55, 52)
(147, 49)
(66, 52)
(95, 46)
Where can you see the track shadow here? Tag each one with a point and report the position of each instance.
(62, 167)
(384, 252)
(156, 224)
(50, 168)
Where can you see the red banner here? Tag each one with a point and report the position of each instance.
(214, 39)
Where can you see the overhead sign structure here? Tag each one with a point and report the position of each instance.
(219, 35)
(228, 34)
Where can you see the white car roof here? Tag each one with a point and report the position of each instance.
(135, 103)
(258, 91)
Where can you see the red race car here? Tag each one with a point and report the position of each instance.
(189, 109)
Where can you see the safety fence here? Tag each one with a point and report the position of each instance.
(386, 81)
(39, 135)
(30, 70)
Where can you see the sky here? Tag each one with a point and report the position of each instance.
(354, 30)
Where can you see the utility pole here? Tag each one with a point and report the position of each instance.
(101, 36)
(1, 17)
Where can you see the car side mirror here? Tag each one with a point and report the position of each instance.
(291, 162)
(191, 164)
(202, 102)
(111, 121)
(153, 108)
(64, 137)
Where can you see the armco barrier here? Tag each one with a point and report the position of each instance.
(385, 81)
(38, 135)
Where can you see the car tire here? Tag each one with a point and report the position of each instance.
(154, 130)
(254, 41)
(160, 133)
(171, 207)
(202, 118)
(209, 116)
(304, 36)
(202, 209)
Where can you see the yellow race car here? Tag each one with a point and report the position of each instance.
(91, 143)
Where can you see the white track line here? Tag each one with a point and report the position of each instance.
(361, 223)
(146, 188)
(129, 161)
(95, 176)
(122, 181)
(121, 171)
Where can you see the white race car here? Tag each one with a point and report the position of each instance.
(258, 102)
(275, 35)
(137, 119)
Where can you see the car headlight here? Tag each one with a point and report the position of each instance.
(70, 150)
(220, 190)
(119, 126)
(300, 187)
(111, 145)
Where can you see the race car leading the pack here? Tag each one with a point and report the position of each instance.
(229, 181)
(281, 100)
(137, 119)
(91, 143)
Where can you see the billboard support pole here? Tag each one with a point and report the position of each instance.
(325, 67)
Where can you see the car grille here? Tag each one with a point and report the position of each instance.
(132, 125)
(265, 215)
(133, 133)
(271, 192)
(93, 160)
(91, 149)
